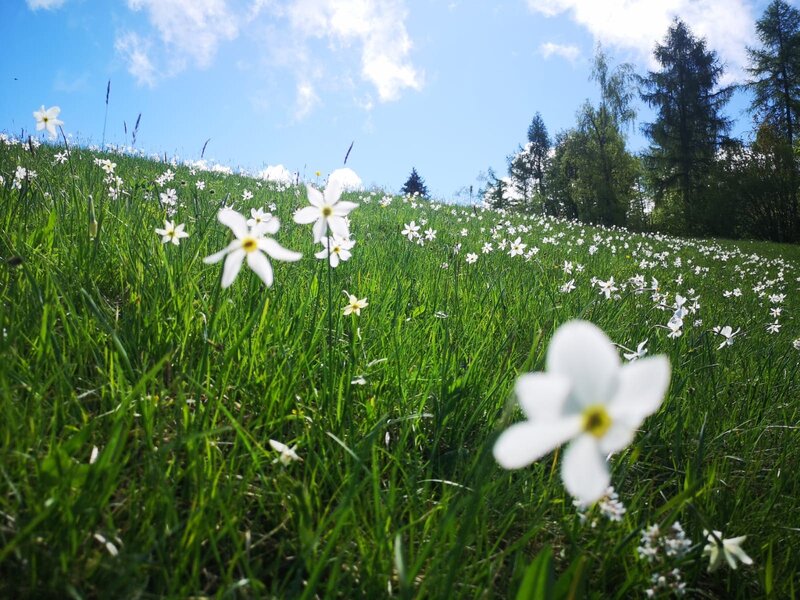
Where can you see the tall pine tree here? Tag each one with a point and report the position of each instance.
(775, 68)
(775, 71)
(688, 128)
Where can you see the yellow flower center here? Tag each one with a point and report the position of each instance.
(596, 420)
(249, 244)
(327, 211)
(336, 250)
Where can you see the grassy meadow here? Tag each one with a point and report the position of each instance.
(138, 399)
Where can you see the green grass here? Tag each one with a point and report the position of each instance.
(124, 344)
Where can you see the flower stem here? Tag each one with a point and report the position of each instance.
(330, 333)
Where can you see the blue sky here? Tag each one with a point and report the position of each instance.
(446, 86)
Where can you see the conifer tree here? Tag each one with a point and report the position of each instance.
(775, 83)
(689, 125)
(414, 185)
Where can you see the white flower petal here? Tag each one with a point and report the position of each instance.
(319, 229)
(339, 226)
(584, 470)
(314, 197)
(271, 226)
(523, 443)
(216, 257)
(641, 386)
(618, 436)
(232, 265)
(278, 252)
(306, 215)
(261, 267)
(237, 223)
(541, 395)
(582, 353)
(332, 192)
(341, 209)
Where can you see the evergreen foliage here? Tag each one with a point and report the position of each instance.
(775, 68)
(414, 185)
(689, 126)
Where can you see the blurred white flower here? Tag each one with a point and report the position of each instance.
(585, 396)
(718, 548)
(47, 119)
(250, 243)
(288, 455)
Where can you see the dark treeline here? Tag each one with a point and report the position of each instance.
(692, 179)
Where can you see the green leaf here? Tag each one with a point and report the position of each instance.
(538, 583)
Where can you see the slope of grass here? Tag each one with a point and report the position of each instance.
(138, 399)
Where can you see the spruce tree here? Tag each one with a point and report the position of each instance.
(689, 124)
(775, 68)
(414, 185)
(775, 83)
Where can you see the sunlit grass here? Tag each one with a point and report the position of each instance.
(119, 342)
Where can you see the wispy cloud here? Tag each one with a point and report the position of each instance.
(307, 99)
(308, 37)
(192, 28)
(377, 26)
(136, 53)
(69, 84)
(569, 52)
(45, 4)
(638, 24)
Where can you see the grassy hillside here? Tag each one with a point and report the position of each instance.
(138, 399)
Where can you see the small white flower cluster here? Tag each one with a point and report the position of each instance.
(610, 506)
(668, 583)
(656, 545)
(165, 178)
(169, 199)
(662, 548)
(22, 174)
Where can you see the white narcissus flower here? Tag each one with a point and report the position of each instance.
(326, 211)
(288, 454)
(251, 243)
(728, 333)
(336, 249)
(717, 548)
(258, 217)
(172, 233)
(47, 119)
(354, 305)
(585, 396)
(640, 352)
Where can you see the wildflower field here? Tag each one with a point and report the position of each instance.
(233, 404)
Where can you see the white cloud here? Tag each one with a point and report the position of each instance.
(307, 99)
(314, 39)
(192, 28)
(568, 52)
(45, 4)
(378, 26)
(638, 25)
(136, 53)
